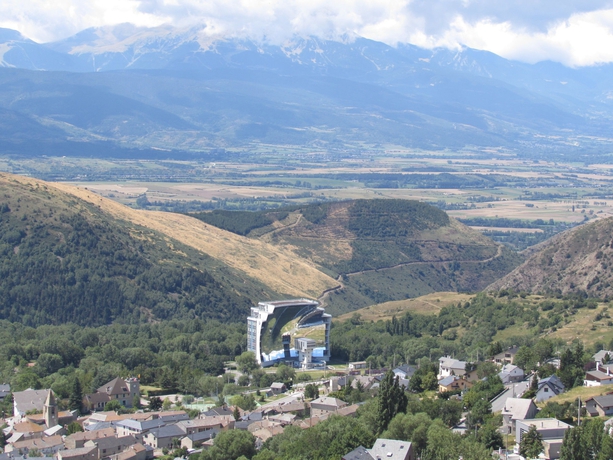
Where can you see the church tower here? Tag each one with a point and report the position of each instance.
(50, 410)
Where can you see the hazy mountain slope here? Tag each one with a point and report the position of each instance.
(380, 250)
(179, 89)
(67, 255)
(578, 260)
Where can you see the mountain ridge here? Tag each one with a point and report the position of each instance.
(575, 261)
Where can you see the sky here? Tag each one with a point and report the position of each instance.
(573, 32)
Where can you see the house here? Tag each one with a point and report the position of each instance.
(326, 405)
(79, 439)
(135, 452)
(510, 373)
(392, 449)
(383, 449)
(82, 453)
(200, 425)
(172, 416)
(600, 405)
(448, 366)
(507, 356)
(278, 388)
(597, 378)
(358, 365)
(5, 390)
(551, 431)
(137, 428)
(359, 453)
(109, 446)
(516, 409)
(195, 440)
(162, 437)
(26, 430)
(404, 372)
(46, 446)
(548, 388)
(124, 391)
(603, 357)
(453, 383)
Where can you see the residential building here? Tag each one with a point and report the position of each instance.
(510, 373)
(82, 453)
(548, 388)
(5, 390)
(507, 356)
(551, 431)
(278, 388)
(135, 452)
(79, 439)
(137, 428)
(274, 327)
(47, 446)
(111, 445)
(358, 365)
(326, 405)
(448, 366)
(517, 409)
(600, 405)
(195, 440)
(453, 383)
(382, 450)
(159, 438)
(597, 378)
(603, 357)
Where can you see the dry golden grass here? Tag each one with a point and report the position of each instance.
(280, 269)
(429, 304)
(583, 392)
(584, 326)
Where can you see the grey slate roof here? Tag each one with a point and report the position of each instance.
(30, 400)
(141, 425)
(359, 453)
(168, 431)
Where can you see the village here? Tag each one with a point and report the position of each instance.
(39, 428)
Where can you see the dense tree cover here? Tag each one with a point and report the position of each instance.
(185, 355)
(231, 445)
(64, 260)
(239, 222)
(590, 441)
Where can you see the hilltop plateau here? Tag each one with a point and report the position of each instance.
(577, 260)
(379, 250)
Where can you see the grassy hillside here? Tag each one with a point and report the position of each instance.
(75, 257)
(578, 260)
(379, 250)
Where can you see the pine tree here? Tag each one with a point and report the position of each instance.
(76, 396)
(392, 400)
(531, 444)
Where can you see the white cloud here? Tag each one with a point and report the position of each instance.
(573, 32)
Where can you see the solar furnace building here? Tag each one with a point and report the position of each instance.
(295, 332)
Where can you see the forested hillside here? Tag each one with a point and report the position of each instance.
(380, 250)
(63, 259)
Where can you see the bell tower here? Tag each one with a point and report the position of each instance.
(50, 410)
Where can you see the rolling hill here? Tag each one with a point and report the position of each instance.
(68, 255)
(578, 260)
(379, 250)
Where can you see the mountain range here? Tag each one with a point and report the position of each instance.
(122, 86)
